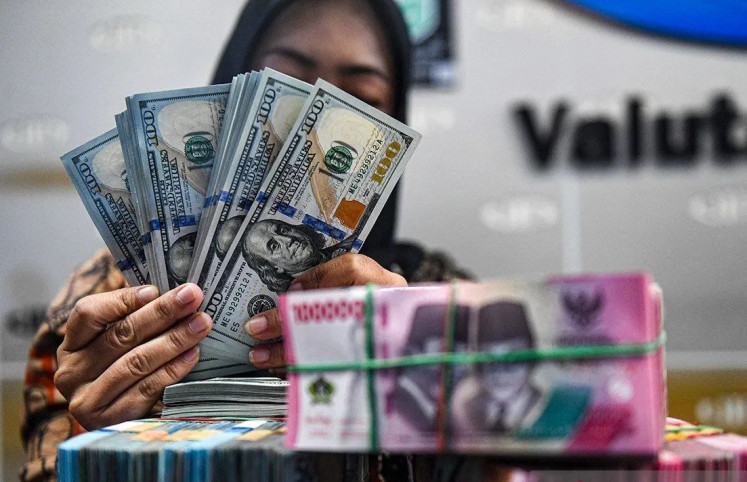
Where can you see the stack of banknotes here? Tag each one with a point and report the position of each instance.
(238, 188)
(697, 448)
(690, 454)
(160, 450)
(227, 397)
(565, 367)
(227, 451)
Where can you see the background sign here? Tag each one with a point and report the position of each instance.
(429, 23)
(719, 21)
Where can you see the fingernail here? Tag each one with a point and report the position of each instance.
(259, 355)
(191, 354)
(295, 285)
(257, 325)
(199, 323)
(186, 294)
(146, 294)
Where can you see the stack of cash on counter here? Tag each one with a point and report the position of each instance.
(227, 451)
(226, 397)
(159, 450)
(567, 367)
(238, 188)
(690, 453)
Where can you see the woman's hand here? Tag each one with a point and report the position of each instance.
(346, 270)
(122, 348)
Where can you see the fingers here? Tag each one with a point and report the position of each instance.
(157, 316)
(139, 398)
(347, 270)
(92, 314)
(271, 355)
(265, 326)
(131, 331)
(139, 364)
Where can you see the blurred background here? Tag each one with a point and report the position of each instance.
(558, 138)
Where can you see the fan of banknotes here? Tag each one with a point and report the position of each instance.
(238, 188)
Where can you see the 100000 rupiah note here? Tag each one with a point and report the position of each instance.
(568, 366)
(176, 136)
(319, 200)
(98, 172)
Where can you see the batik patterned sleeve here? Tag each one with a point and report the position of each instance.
(46, 420)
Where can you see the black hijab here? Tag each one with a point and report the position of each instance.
(241, 49)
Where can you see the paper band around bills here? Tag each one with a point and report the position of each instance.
(694, 428)
(449, 358)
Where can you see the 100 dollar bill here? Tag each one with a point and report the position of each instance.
(243, 87)
(176, 135)
(334, 174)
(98, 172)
(210, 366)
(135, 185)
(274, 110)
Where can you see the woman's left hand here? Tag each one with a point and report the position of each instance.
(346, 270)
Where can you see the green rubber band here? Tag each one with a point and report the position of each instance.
(370, 355)
(446, 381)
(583, 352)
(694, 428)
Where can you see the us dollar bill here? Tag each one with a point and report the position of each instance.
(176, 135)
(320, 200)
(211, 366)
(242, 89)
(229, 121)
(274, 110)
(98, 172)
(135, 176)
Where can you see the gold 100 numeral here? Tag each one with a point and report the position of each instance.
(386, 162)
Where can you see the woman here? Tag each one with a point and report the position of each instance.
(112, 349)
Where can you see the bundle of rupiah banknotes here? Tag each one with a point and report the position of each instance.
(162, 450)
(238, 188)
(570, 366)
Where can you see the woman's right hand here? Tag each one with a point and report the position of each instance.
(122, 348)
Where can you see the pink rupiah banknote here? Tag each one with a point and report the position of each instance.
(567, 366)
